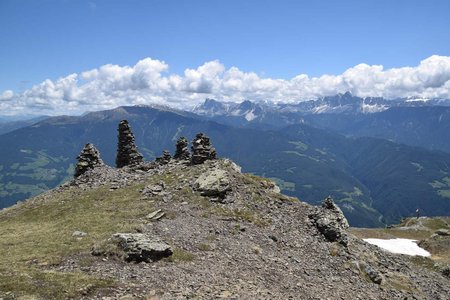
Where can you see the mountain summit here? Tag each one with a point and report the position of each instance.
(178, 229)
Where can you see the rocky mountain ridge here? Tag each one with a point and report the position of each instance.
(339, 104)
(181, 229)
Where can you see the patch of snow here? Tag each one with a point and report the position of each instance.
(399, 246)
(417, 100)
(321, 109)
(250, 116)
(368, 109)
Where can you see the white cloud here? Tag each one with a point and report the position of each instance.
(6, 95)
(149, 81)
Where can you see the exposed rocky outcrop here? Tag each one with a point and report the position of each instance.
(182, 151)
(164, 159)
(202, 149)
(140, 247)
(127, 153)
(89, 158)
(330, 221)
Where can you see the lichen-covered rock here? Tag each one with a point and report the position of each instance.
(140, 247)
(182, 151)
(202, 149)
(88, 159)
(127, 153)
(213, 183)
(330, 221)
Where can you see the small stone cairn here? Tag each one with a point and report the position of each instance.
(164, 159)
(89, 158)
(182, 151)
(127, 153)
(202, 149)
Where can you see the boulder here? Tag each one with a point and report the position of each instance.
(214, 183)
(330, 221)
(88, 159)
(140, 247)
(127, 153)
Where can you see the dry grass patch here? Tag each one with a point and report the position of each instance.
(39, 233)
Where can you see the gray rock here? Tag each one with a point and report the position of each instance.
(88, 159)
(152, 190)
(156, 215)
(443, 232)
(232, 164)
(330, 221)
(373, 274)
(214, 183)
(127, 153)
(77, 233)
(141, 247)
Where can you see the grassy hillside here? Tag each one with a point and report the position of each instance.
(37, 235)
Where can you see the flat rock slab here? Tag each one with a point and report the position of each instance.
(156, 215)
(141, 247)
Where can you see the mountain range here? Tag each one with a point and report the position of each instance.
(372, 173)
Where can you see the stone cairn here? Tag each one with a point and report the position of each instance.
(127, 153)
(202, 149)
(164, 159)
(182, 151)
(89, 158)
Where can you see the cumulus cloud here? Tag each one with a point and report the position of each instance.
(149, 81)
(6, 95)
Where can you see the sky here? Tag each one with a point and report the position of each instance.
(71, 56)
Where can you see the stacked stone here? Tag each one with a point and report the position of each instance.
(127, 153)
(202, 149)
(89, 158)
(165, 158)
(182, 152)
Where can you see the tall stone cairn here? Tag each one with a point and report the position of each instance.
(165, 158)
(182, 151)
(202, 149)
(127, 153)
(89, 158)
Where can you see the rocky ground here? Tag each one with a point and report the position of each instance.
(234, 236)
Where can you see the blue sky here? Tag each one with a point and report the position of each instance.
(50, 39)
